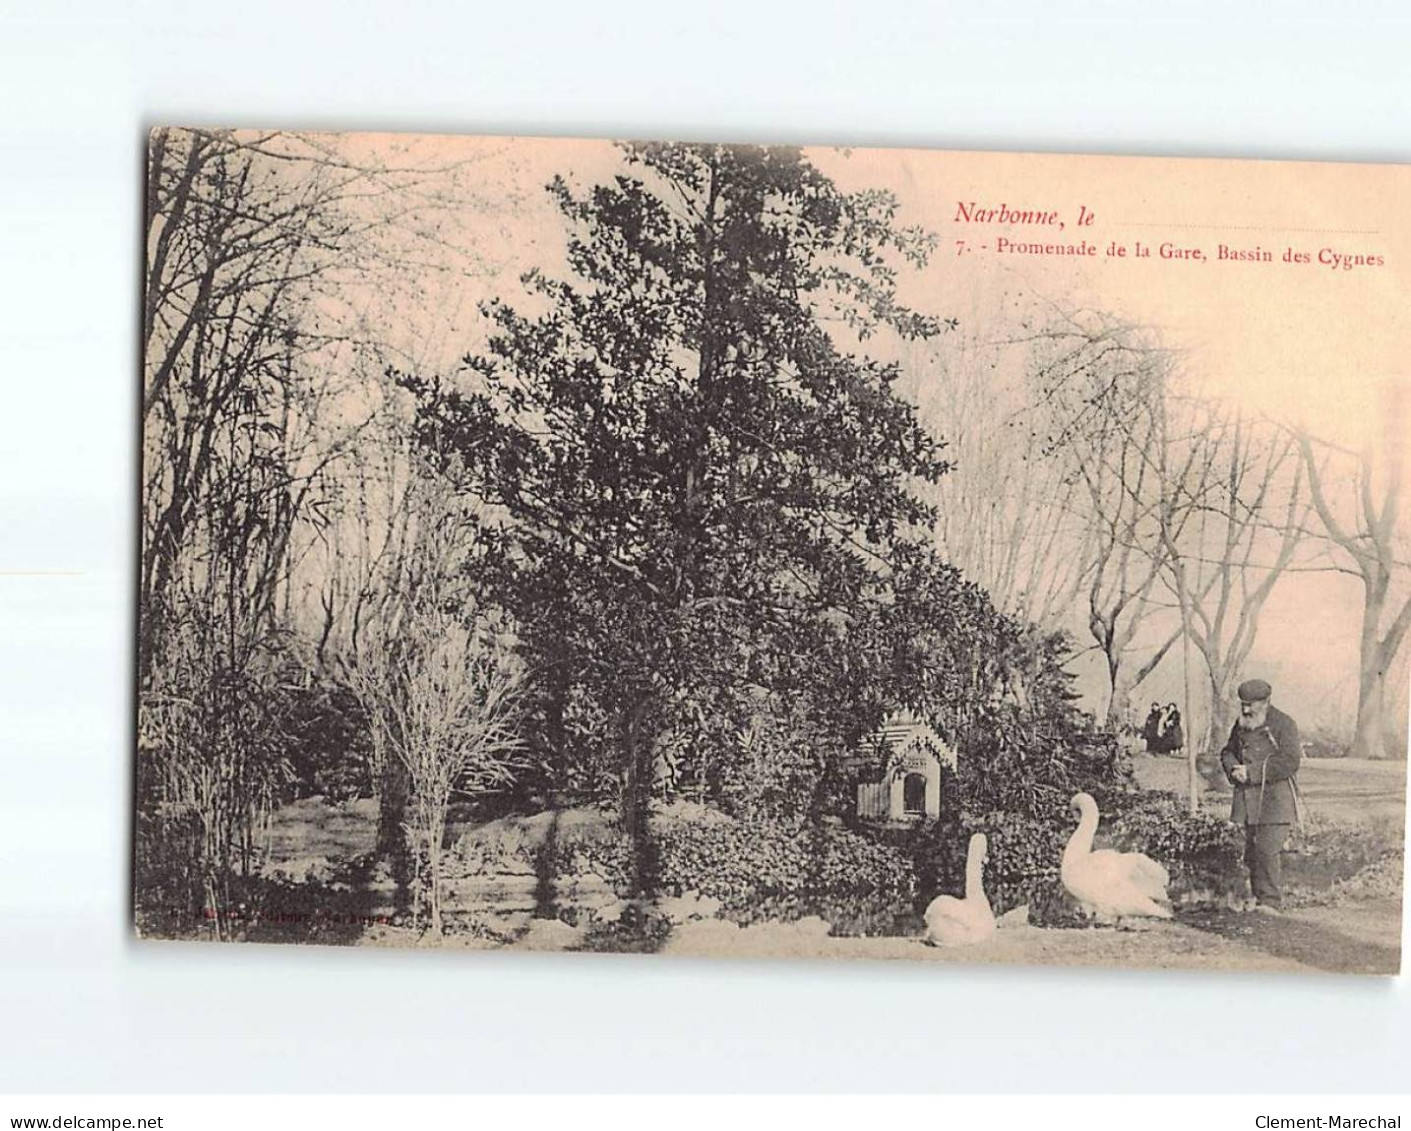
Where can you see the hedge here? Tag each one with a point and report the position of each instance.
(1204, 853)
(773, 870)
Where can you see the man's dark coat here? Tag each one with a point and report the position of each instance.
(1271, 754)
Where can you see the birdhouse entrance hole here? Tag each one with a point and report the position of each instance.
(914, 794)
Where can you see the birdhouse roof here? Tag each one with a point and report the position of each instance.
(904, 733)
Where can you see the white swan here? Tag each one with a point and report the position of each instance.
(961, 922)
(1108, 884)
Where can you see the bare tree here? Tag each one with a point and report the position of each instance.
(1128, 514)
(1191, 507)
(1219, 478)
(266, 253)
(272, 260)
(1358, 499)
(1010, 514)
(444, 697)
(434, 668)
(213, 745)
(1245, 483)
(1098, 404)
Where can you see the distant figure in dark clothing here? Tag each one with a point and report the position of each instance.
(1162, 730)
(1173, 738)
(1151, 730)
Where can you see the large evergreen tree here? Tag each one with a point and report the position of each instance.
(702, 491)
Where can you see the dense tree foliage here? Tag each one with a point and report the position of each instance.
(703, 492)
(704, 505)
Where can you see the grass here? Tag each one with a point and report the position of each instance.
(1350, 788)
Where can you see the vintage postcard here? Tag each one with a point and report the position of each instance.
(745, 550)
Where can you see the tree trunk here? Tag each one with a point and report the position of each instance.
(393, 799)
(1119, 699)
(1222, 708)
(1192, 769)
(1370, 739)
(436, 829)
(637, 795)
(1221, 685)
(395, 789)
(555, 730)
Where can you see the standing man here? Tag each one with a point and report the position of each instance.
(1260, 760)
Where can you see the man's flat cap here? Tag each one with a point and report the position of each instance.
(1254, 691)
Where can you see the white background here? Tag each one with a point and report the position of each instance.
(84, 1008)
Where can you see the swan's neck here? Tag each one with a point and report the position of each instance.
(1081, 842)
(975, 879)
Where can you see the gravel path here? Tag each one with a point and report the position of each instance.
(1311, 940)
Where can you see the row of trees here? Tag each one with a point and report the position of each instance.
(1165, 516)
(273, 261)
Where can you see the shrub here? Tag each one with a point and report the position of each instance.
(1329, 853)
(773, 767)
(605, 851)
(1024, 743)
(1381, 879)
(327, 739)
(168, 881)
(1203, 852)
(555, 844)
(1024, 855)
(773, 870)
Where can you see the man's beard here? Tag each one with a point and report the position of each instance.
(1253, 724)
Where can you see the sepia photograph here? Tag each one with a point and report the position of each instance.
(762, 551)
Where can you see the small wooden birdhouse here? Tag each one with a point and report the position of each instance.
(910, 788)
